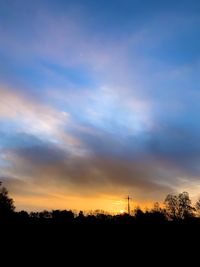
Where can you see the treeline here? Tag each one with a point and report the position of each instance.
(176, 208)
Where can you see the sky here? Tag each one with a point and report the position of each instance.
(99, 100)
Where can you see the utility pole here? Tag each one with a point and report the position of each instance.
(128, 202)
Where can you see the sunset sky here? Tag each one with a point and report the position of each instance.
(99, 99)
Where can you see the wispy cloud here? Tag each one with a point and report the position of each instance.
(33, 117)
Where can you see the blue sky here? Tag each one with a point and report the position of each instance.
(99, 99)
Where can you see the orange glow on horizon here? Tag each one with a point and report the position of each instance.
(33, 203)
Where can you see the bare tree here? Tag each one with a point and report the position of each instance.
(179, 206)
(156, 207)
(171, 203)
(197, 206)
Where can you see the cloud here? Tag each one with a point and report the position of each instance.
(32, 116)
(108, 109)
(109, 167)
(147, 164)
(99, 103)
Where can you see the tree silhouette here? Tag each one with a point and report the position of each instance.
(139, 214)
(62, 215)
(185, 208)
(197, 207)
(6, 203)
(156, 207)
(178, 206)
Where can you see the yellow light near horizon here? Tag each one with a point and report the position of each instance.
(122, 211)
